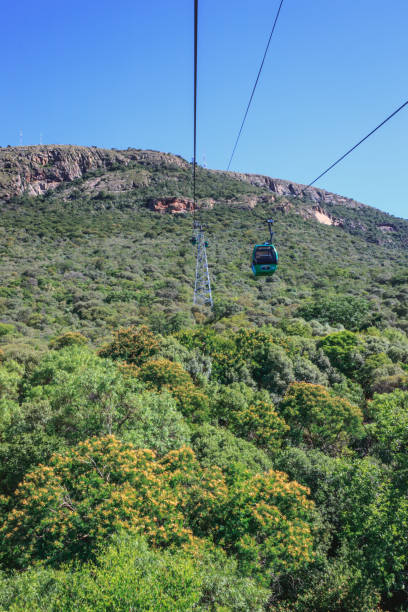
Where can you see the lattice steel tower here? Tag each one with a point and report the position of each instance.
(202, 285)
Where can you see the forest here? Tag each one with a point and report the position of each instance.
(155, 455)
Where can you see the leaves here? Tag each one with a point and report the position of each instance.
(319, 419)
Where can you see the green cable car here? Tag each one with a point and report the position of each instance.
(265, 256)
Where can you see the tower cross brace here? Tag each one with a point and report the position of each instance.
(202, 285)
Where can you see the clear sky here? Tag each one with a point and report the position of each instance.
(119, 73)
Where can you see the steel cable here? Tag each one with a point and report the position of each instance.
(356, 145)
(255, 85)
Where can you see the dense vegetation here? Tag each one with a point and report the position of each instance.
(76, 259)
(155, 456)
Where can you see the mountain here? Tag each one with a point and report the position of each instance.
(36, 170)
(156, 455)
(85, 243)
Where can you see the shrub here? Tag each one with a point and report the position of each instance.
(352, 312)
(6, 329)
(318, 419)
(68, 339)
(165, 374)
(67, 509)
(342, 348)
(218, 446)
(134, 345)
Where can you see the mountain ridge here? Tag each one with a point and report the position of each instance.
(35, 169)
(163, 182)
(108, 244)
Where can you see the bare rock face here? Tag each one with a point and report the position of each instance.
(36, 169)
(322, 215)
(155, 158)
(175, 206)
(179, 205)
(287, 188)
(387, 228)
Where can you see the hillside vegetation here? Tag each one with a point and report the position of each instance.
(91, 259)
(158, 456)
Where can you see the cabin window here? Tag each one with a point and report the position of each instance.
(265, 255)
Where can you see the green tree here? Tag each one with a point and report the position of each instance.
(379, 374)
(64, 510)
(274, 369)
(364, 511)
(250, 415)
(129, 575)
(389, 428)
(218, 446)
(266, 522)
(67, 509)
(133, 344)
(319, 419)
(342, 348)
(164, 374)
(88, 395)
(350, 311)
(68, 339)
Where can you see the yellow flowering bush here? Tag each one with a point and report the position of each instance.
(102, 486)
(68, 339)
(132, 344)
(259, 423)
(99, 487)
(165, 374)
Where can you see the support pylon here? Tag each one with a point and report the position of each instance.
(202, 285)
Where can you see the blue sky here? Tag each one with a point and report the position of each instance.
(119, 74)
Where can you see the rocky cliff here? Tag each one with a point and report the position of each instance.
(109, 178)
(290, 189)
(33, 170)
(37, 169)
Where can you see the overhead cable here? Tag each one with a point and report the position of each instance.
(357, 145)
(195, 103)
(256, 83)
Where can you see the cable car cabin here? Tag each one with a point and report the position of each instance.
(264, 259)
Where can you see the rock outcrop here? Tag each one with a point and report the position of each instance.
(387, 228)
(174, 206)
(287, 188)
(162, 181)
(33, 170)
(177, 206)
(321, 215)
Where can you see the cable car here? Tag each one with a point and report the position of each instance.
(265, 256)
(198, 231)
(194, 241)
